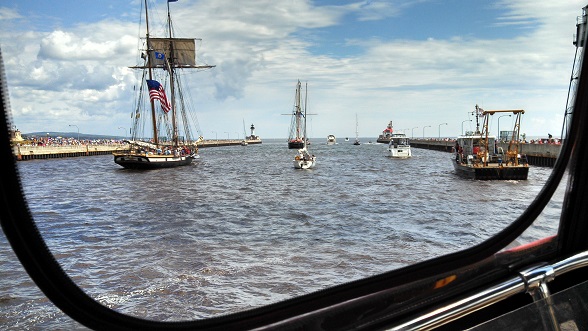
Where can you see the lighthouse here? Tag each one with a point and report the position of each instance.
(253, 136)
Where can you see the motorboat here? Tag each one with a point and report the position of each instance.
(399, 146)
(331, 140)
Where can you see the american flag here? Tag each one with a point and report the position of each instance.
(156, 92)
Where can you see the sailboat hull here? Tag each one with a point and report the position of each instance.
(304, 160)
(304, 164)
(146, 162)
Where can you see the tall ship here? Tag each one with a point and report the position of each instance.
(296, 136)
(163, 131)
(303, 159)
(477, 155)
(386, 135)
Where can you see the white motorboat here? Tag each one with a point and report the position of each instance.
(399, 146)
(331, 140)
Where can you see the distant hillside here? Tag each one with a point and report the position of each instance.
(83, 136)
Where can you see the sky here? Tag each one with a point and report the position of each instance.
(422, 64)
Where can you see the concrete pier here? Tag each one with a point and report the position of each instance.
(23, 153)
(226, 142)
(537, 154)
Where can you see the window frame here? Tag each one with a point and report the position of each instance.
(378, 300)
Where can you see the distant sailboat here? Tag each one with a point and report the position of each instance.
(303, 159)
(244, 142)
(356, 132)
(162, 117)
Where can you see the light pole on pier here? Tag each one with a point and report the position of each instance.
(215, 135)
(416, 127)
(440, 129)
(499, 125)
(78, 130)
(428, 126)
(462, 125)
(228, 138)
(124, 131)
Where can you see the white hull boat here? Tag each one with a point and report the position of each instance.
(399, 146)
(304, 160)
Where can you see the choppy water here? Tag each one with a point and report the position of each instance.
(242, 228)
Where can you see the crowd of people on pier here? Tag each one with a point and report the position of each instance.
(48, 141)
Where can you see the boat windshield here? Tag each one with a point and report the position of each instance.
(238, 229)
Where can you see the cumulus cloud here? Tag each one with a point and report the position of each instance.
(8, 14)
(260, 48)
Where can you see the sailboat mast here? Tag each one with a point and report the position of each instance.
(298, 109)
(244, 131)
(150, 66)
(171, 81)
(305, 105)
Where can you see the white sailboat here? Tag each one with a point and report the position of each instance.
(356, 142)
(161, 133)
(303, 159)
(244, 142)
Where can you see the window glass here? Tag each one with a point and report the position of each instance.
(240, 228)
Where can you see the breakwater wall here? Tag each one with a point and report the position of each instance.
(543, 155)
(23, 153)
(226, 142)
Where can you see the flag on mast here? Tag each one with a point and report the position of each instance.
(156, 92)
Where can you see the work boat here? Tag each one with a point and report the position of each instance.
(399, 146)
(164, 117)
(477, 155)
(303, 159)
(386, 135)
(517, 278)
